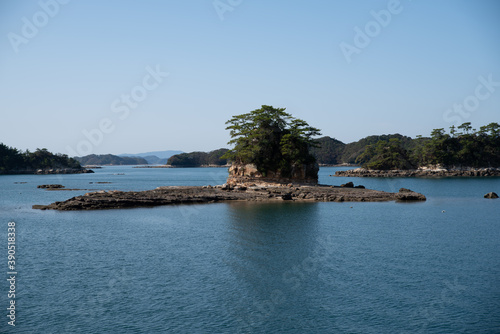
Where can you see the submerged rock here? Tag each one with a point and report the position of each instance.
(50, 186)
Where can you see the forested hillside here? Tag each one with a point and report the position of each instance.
(197, 159)
(12, 159)
(109, 159)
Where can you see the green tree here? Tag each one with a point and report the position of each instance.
(387, 155)
(271, 139)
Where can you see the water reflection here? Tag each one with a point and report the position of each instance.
(270, 244)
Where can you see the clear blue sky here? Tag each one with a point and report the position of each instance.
(86, 67)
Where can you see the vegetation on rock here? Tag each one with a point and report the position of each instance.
(272, 140)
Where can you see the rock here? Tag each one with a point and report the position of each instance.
(248, 174)
(50, 186)
(175, 195)
(408, 195)
(491, 195)
(360, 187)
(347, 185)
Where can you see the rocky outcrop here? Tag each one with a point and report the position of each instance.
(249, 175)
(491, 195)
(408, 195)
(193, 195)
(421, 172)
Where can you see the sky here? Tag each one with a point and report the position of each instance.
(97, 77)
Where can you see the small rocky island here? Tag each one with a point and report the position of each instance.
(421, 172)
(271, 162)
(197, 195)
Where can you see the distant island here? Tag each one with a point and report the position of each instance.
(199, 159)
(154, 157)
(109, 159)
(13, 161)
(463, 151)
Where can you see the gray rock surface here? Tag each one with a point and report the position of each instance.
(193, 195)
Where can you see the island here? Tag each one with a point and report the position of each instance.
(271, 161)
(109, 160)
(13, 161)
(463, 152)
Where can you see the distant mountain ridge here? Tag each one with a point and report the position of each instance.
(155, 157)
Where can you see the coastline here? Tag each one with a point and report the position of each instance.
(421, 172)
(46, 171)
(174, 195)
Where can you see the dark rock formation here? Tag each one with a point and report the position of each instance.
(491, 195)
(408, 195)
(424, 172)
(192, 195)
(347, 185)
(50, 186)
(249, 175)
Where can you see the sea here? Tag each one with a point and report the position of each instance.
(281, 267)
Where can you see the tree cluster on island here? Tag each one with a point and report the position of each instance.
(14, 160)
(272, 140)
(463, 146)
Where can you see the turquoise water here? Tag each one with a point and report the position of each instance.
(253, 268)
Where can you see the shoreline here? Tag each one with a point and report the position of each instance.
(174, 195)
(46, 171)
(421, 172)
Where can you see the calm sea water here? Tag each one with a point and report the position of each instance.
(253, 268)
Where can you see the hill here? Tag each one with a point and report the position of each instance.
(158, 154)
(353, 150)
(329, 152)
(197, 159)
(109, 159)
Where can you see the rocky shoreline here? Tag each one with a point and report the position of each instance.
(196, 195)
(421, 172)
(47, 171)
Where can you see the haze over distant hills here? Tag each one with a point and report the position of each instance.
(155, 157)
(110, 160)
